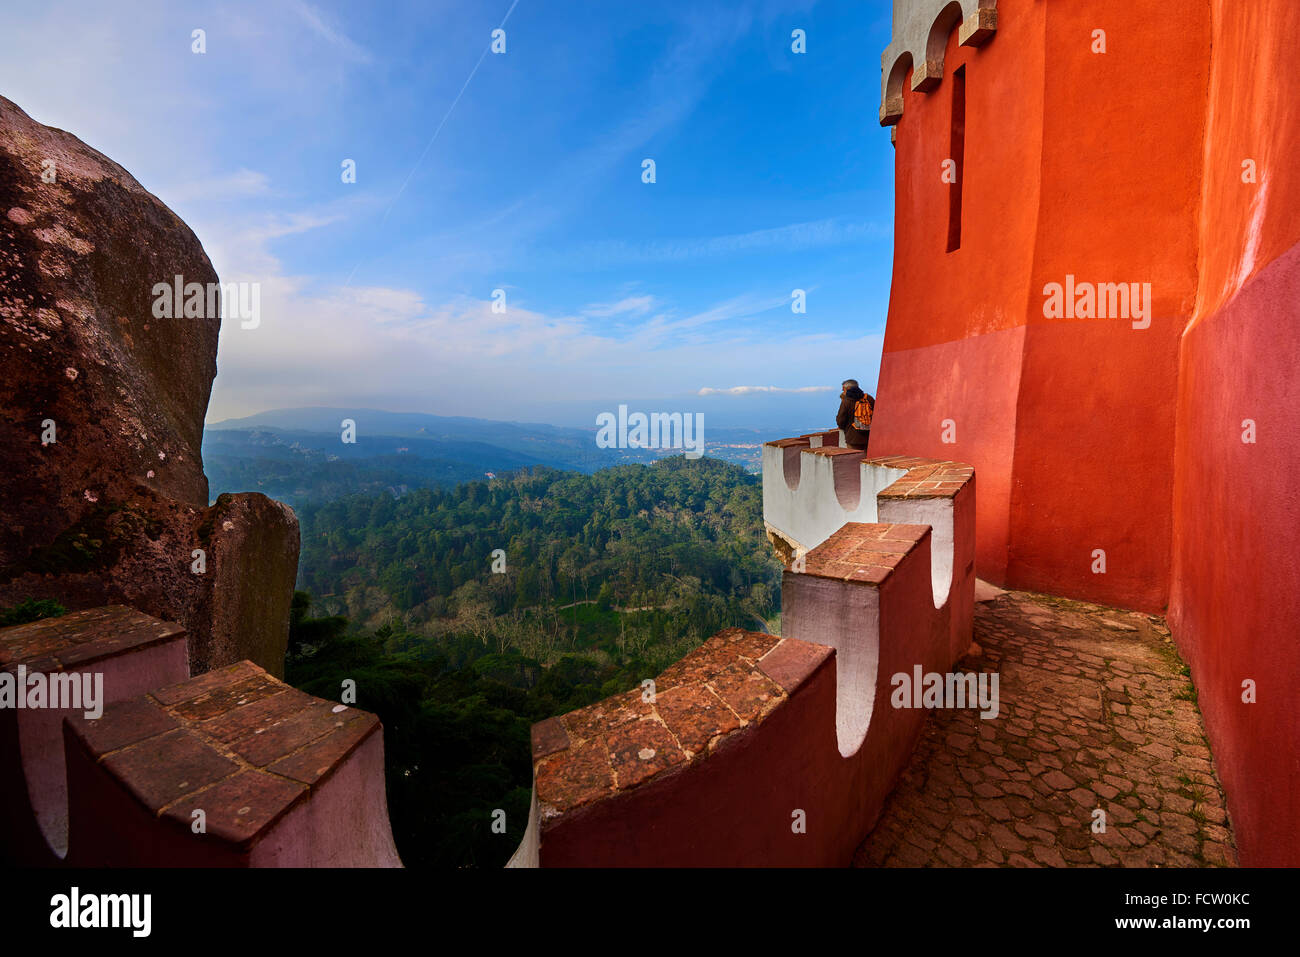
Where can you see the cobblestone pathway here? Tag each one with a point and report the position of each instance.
(1096, 712)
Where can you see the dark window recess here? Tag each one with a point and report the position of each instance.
(957, 152)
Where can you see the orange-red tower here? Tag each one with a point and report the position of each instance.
(1094, 302)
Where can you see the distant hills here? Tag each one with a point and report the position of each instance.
(298, 454)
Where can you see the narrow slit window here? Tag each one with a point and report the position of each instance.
(957, 152)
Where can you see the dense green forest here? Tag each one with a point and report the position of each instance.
(600, 581)
(680, 540)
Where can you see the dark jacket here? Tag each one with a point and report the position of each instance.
(856, 438)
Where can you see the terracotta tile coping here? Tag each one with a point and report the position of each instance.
(864, 552)
(237, 743)
(56, 644)
(731, 682)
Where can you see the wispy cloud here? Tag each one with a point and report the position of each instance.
(668, 95)
(335, 37)
(629, 306)
(237, 185)
(247, 153)
(689, 328)
(756, 389)
(387, 347)
(390, 348)
(791, 238)
(240, 248)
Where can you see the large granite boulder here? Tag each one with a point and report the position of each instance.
(101, 412)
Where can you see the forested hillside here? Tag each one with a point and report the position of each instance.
(677, 536)
(601, 581)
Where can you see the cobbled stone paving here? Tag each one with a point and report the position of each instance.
(1097, 711)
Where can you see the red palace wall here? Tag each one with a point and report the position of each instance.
(956, 320)
(1090, 434)
(1235, 607)
(1075, 164)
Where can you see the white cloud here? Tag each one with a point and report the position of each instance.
(336, 38)
(755, 389)
(390, 348)
(241, 184)
(789, 238)
(322, 343)
(630, 305)
(384, 344)
(795, 236)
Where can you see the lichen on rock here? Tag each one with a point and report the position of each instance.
(102, 406)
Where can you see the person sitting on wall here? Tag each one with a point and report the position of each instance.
(854, 417)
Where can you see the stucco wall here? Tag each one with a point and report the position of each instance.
(1236, 555)
(1076, 163)
(1124, 166)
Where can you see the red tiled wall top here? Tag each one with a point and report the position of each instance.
(734, 680)
(234, 742)
(54, 644)
(925, 478)
(862, 552)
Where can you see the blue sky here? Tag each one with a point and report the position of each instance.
(772, 174)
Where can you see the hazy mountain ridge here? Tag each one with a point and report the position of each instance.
(299, 455)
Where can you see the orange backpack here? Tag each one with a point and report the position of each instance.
(862, 412)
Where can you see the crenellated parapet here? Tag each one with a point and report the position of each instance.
(111, 653)
(145, 766)
(810, 491)
(759, 749)
(920, 36)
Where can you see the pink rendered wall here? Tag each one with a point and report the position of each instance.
(1125, 166)
(1235, 606)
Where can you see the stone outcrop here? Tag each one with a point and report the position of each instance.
(101, 412)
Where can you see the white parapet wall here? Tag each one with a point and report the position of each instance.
(827, 491)
(810, 493)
